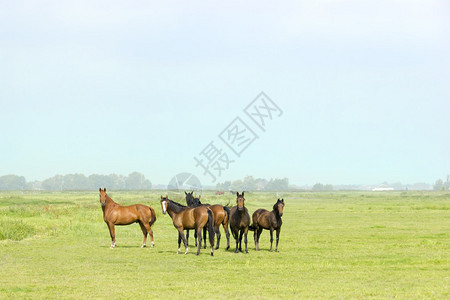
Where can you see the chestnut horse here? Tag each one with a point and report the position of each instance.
(221, 216)
(189, 218)
(115, 214)
(263, 219)
(239, 222)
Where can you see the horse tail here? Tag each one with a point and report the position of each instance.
(210, 227)
(153, 219)
(251, 228)
(227, 217)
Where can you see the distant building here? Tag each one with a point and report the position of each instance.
(383, 187)
(377, 189)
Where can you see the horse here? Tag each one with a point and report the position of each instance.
(221, 216)
(263, 219)
(239, 222)
(189, 218)
(194, 202)
(115, 214)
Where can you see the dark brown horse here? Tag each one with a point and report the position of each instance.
(184, 217)
(115, 214)
(239, 222)
(270, 220)
(221, 216)
(191, 201)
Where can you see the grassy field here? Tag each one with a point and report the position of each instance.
(332, 245)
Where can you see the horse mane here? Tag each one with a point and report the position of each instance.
(177, 206)
(108, 198)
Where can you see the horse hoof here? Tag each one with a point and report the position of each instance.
(143, 246)
(227, 248)
(152, 245)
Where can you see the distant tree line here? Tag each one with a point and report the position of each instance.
(254, 184)
(322, 187)
(134, 181)
(441, 185)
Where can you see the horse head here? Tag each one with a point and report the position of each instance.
(164, 203)
(279, 206)
(240, 201)
(103, 196)
(189, 198)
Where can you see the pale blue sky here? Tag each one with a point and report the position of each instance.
(122, 86)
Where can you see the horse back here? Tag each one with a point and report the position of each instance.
(123, 215)
(218, 213)
(264, 218)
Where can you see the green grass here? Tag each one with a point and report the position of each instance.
(332, 245)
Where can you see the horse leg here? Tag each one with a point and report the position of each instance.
(181, 232)
(179, 243)
(112, 234)
(236, 237)
(217, 230)
(257, 237)
(227, 234)
(199, 235)
(245, 239)
(150, 232)
(144, 232)
(204, 235)
(271, 238)
(241, 233)
(278, 236)
(187, 236)
(195, 237)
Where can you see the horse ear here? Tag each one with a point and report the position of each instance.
(185, 193)
(242, 194)
(282, 200)
(161, 197)
(104, 189)
(99, 189)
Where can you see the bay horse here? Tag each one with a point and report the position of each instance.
(239, 222)
(191, 201)
(184, 217)
(263, 219)
(115, 214)
(221, 216)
